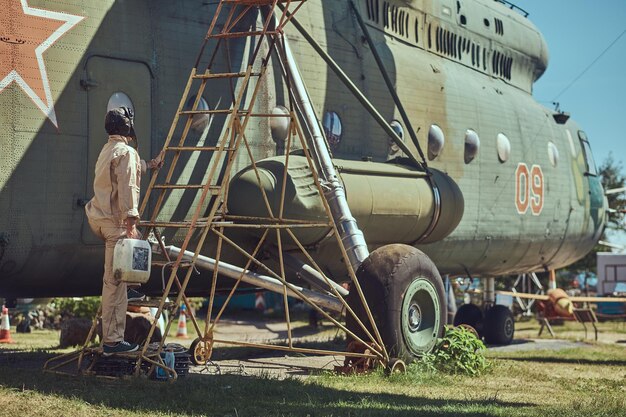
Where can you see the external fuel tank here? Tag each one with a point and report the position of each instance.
(391, 202)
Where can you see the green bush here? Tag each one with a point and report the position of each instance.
(85, 307)
(459, 351)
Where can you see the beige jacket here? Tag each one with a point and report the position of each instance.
(116, 184)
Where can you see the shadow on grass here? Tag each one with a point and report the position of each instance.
(222, 395)
(514, 342)
(25, 359)
(574, 361)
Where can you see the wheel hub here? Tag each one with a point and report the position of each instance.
(509, 325)
(415, 317)
(421, 312)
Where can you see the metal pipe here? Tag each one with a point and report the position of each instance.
(489, 296)
(350, 234)
(262, 281)
(309, 274)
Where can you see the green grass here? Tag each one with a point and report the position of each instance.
(38, 339)
(586, 381)
(511, 390)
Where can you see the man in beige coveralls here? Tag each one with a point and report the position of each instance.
(113, 214)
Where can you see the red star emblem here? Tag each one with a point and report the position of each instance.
(25, 34)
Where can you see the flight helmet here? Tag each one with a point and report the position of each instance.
(120, 121)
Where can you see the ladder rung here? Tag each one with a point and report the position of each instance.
(214, 189)
(150, 303)
(135, 354)
(268, 115)
(185, 224)
(161, 264)
(174, 225)
(197, 148)
(244, 34)
(179, 187)
(224, 75)
(222, 111)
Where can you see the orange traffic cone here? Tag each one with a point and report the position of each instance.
(181, 333)
(5, 327)
(259, 302)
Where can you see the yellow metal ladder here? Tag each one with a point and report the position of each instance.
(214, 190)
(208, 212)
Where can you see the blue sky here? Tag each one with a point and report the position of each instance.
(577, 31)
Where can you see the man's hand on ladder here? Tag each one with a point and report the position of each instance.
(157, 162)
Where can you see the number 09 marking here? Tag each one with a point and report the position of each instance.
(529, 189)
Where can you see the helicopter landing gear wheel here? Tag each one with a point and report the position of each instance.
(499, 326)
(470, 315)
(405, 294)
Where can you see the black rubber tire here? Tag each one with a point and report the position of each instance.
(385, 278)
(471, 315)
(499, 326)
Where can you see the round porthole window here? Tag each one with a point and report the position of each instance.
(279, 125)
(397, 127)
(503, 146)
(472, 145)
(199, 122)
(436, 140)
(333, 128)
(553, 154)
(119, 99)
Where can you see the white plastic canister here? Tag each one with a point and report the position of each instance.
(132, 259)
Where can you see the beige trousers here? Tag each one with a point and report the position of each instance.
(114, 298)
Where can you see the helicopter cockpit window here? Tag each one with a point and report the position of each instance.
(436, 140)
(570, 140)
(503, 146)
(199, 122)
(119, 99)
(472, 145)
(333, 128)
(553, 154)
(591, 164)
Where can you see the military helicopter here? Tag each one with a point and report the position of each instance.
(515, 185)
